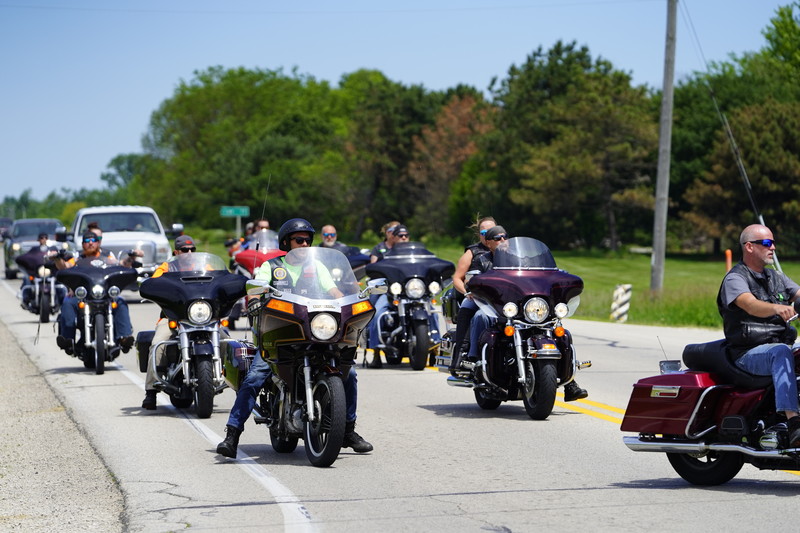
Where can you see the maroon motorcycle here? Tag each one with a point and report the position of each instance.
(525, 352)
(709, 419)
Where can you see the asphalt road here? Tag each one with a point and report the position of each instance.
(440, 462)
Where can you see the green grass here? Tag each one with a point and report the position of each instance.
(688, 297)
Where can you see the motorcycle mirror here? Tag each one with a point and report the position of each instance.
(375, 286)
(256, 287)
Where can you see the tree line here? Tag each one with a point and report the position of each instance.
(563, 148)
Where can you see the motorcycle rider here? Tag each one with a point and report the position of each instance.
(184, 244)
(38, 251)
(376, 254)
(293, 234)
(329, 239)
(755, 304)
(68, 318)
(494, 237)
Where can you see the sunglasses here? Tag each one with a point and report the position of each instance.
(766, 243)
(402, 236)
(483, 231)
(91, 239)
(187, 249)
(301, 240)
(329, 235)
(500, 237)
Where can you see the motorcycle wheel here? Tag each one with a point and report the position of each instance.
(712, 468)
(44, 308)
(484, 402)
(325, 435)
(99, 343)
(280, 444)
(180, 401)
(204, 391)
(419, 358)
(539, 393)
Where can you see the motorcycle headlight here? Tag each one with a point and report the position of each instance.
(15, 247)
(43, 272)
(200, 312)
(415, 288)
(536, 310)
(510, 310)
(114, 291)
(561, 310)
(81, 292)
(434, 287)
(336, 274)
(396, 289)
(324, 326)
(97, 292)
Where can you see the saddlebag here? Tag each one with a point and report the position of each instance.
(144, 339)
(238, 358)
(668, 404)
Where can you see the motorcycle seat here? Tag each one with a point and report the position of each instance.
(713, 357)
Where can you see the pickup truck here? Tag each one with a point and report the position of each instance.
(126, 227)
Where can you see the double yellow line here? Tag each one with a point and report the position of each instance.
(576, 406)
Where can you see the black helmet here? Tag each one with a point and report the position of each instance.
(294, 225)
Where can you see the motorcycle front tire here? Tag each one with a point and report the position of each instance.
(539, 393)
(204, 391)
(99, 343)
(419, 355)
(325, 435)
(712, 468)
(44, 308)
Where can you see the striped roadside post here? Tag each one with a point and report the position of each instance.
(621, 302)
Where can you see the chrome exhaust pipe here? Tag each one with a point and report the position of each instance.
(460, 382)
(637, 444)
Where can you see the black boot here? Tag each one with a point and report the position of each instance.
(376, 359)
(65, 344)
(794, 432)
(150, 401)
(573, 392)
(231, 443)
(354, 440)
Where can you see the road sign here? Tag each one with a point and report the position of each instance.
(234, 211)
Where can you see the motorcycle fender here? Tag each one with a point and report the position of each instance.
(419, 315)
(203, 348)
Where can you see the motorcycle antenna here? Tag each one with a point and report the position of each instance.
(729, 133)
(263, 212)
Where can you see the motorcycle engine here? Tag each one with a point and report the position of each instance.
(295, 422)
(773, 437)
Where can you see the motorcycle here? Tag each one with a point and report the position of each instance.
(42, 296)
(409, 327)
(709, 419)
(195, 295)
(308, 335)
(526, 353)
(97, 288)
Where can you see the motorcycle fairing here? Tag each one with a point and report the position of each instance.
(87, 276)
(410, 260)
(174, 291)
(502, 286)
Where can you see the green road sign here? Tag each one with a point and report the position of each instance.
(234, 211)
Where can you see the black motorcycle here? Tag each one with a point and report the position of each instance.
(409, 326)
(41, 296)
(97, 288)
(195, 295)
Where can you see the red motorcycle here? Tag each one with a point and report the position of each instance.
(709, 419)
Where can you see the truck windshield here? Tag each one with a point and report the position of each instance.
(122, 222)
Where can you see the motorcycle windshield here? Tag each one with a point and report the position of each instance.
(410, 259)
(314, 271)
(263, 241)
(523, 253)
(199, 262)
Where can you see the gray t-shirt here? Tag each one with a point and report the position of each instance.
(735, 284)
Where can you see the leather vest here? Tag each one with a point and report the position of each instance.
(478, 261)
(744, 331)
(282, 280)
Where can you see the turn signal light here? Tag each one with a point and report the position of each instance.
(114, 305)
(560, 331)
(224, 322)
(548, 346)
(509, 331)
(81, 305)
(396, 302)
(173, 324)
(361, 307)
(280, 305)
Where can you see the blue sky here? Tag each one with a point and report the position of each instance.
(80, 78)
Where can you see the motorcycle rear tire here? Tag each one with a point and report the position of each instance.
(204, 391)
(484, 402)
(44, 308)
(419, 357)
(325, 435)
(539, 394)
(282, 444)
(99, 343)
(712, 468)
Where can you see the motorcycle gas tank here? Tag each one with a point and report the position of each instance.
(665, 404)
(410, 260)
(508, 285)
(172, 291)
(88, 276)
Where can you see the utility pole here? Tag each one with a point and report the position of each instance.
(664, 150)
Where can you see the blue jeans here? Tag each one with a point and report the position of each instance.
(257, 377)
(477, 325)
(774, 360)
(68, 319)
(381, 304)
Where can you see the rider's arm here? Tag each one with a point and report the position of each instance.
(753, 306)
(460, 275)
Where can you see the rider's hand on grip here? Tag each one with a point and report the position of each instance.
(253, 305)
